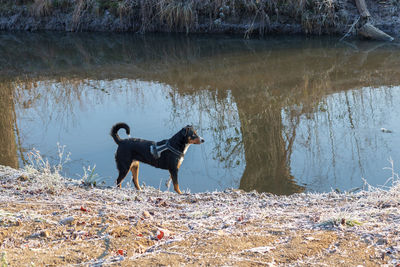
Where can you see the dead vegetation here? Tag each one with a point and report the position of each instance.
(46, 219)
(42, 7)
(246, 16)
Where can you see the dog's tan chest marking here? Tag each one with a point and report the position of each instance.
(184, 152)
(186, 148)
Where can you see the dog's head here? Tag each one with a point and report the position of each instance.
(191, 136)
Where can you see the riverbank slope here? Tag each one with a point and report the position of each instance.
(46, 219)
(255, 17)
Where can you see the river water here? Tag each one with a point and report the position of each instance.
(280, 114)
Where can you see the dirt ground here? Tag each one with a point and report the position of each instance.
(65, 223)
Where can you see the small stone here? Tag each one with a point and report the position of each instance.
(67, 220)
(146, 214)
(44, 233)
(381, 241)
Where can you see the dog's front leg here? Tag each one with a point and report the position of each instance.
(174, 177)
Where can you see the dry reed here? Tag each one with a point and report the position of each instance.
(251, 16)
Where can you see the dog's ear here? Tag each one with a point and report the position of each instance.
(186, 129)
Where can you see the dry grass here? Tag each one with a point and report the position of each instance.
(42, 8)
(178, 14)
(318, 16)
(125, 9)
(95, 226)
(81, 8)
(253, 16)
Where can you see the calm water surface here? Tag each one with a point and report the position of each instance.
(279, 115)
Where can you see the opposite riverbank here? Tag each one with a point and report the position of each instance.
(46, 219)
(254, 17)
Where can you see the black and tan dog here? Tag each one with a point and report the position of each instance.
(167, 154)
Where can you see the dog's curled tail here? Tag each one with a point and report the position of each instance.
(115, 128)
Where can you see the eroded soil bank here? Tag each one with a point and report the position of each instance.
(46, 219)
(254, 17)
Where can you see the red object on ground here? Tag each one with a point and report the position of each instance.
(160, 235)
(120, 252)
(83, 209)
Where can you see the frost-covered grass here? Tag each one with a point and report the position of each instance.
(329, 225)
(48, 176)
(90, 177)
(45, 176)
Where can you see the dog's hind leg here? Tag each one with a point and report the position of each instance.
(123, 171)
(135, 174)
(174, 177)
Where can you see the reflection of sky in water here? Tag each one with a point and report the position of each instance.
(341, 143)
(82, 120)
(336, 143)
(293, 105)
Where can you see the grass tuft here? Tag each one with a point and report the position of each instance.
(42, 8)
(47, 178)
(89, 177)
(125, 9)
(82, 8)
(178, 14)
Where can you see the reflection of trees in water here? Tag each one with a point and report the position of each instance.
(51, 100)
(217, 115)
(106, 55)
(344, 130)
(272, 86)
(266, 150)
(8, 146)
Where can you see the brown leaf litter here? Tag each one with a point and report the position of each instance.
(46, 219)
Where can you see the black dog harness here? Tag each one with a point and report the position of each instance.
(156, 150)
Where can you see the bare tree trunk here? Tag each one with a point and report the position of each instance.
(362, 9)
(366, 29)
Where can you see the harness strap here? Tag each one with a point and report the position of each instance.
(174, 150)
(157, 150)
